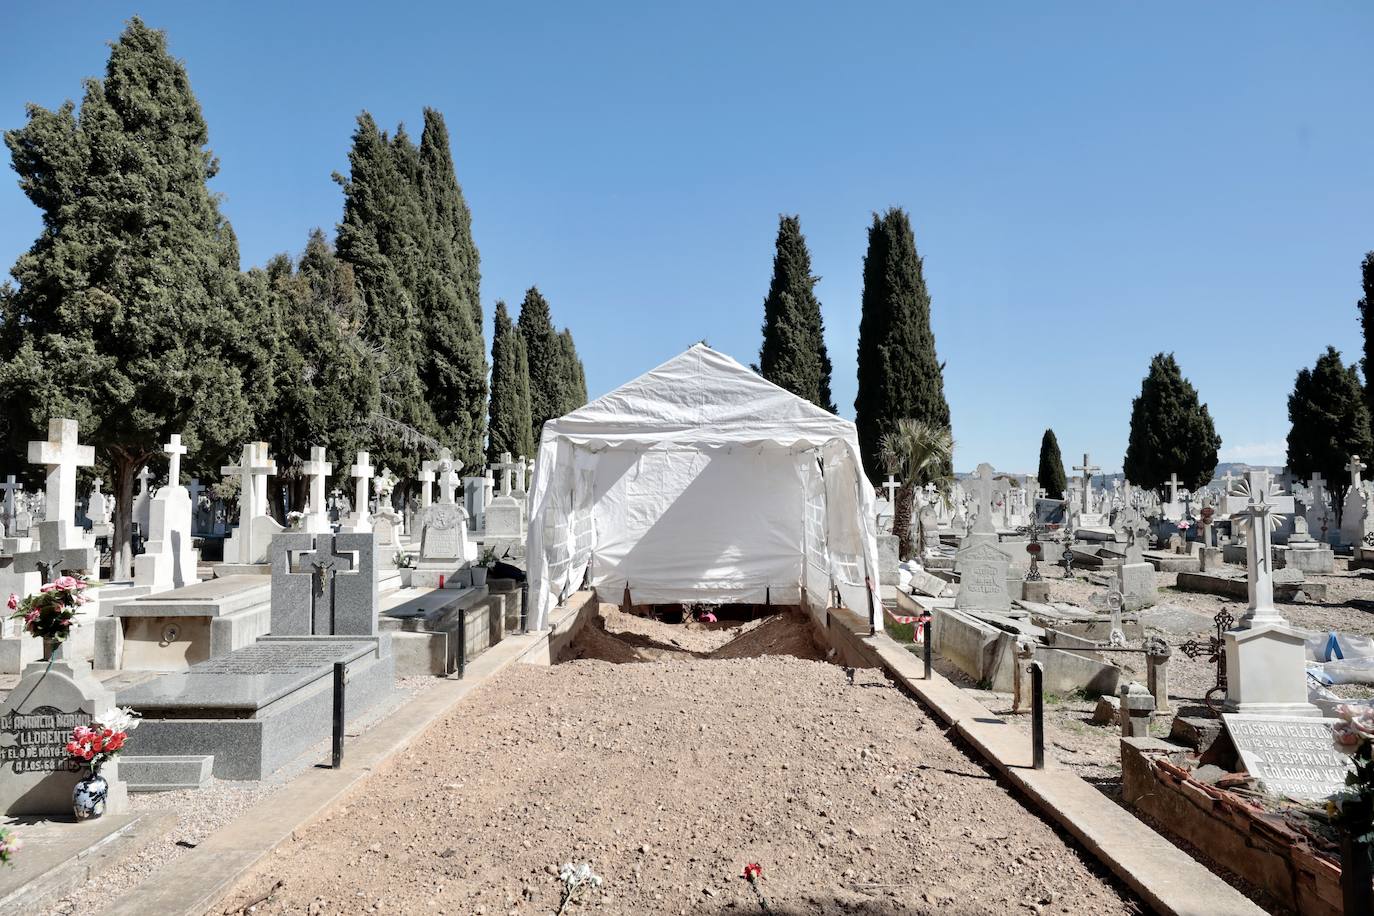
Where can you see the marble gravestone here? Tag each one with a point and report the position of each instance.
(324, 584)
(36, 720)
(981, 564)
(444, 549)
(168, 559)
(248, 543)
(60, 456)
(505, 515)
(1289, 755)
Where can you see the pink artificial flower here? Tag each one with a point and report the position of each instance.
(66, 582)
(31, 616)
(709, 617)
(14, 602)
(48, 586)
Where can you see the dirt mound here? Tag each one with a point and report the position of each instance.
(787, 633)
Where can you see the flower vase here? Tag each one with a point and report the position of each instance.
(88, 796)
(479, 576)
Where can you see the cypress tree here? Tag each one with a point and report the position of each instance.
(129, 314)
(1171, 430)
(548, 380)
(1051, 473)
(377, 238)
(510, 427)
(1366, 308)
(453, 367)
(793, 354)
(1330, 422)
(899, 373)
(575, 377)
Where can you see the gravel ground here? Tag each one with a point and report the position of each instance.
(201, 812)
(668, 776)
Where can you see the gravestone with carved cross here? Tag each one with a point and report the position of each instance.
(60, 455)
(444, 548)
(50, 561)
(505, 519)
(324, 584)
(249, 543)
(1089, 514)
(1356, 522)
(982, 565)
(1266, 659)
(168, 559)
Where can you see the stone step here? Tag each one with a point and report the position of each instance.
(163, 774)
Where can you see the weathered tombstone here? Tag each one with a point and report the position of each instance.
(1090, 515)
(1289, 755)
(168, 559)
(1265, 656)
(1137, 705)
(1135, 577)
(11, 487)
(981, 564)
(36, 721)
(60, 455)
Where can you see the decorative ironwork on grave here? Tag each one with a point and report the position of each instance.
(1215, 650)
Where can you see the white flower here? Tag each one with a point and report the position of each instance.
(118, 719)
(574, 876)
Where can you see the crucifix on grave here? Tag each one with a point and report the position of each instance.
(324, 564)
(51, 560)
(253, 469)
(60, 456)
(892, 485)
(1259, 506)
(1088, 469)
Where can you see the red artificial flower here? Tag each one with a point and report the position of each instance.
(14, 602)
(753, 871)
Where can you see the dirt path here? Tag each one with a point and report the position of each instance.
(668, 777)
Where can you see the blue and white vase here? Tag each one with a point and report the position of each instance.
(88, 797)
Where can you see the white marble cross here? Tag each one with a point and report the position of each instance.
(891, 485)
(10, 487)
(144, 476)
(318, 468)
(361, 472)
(1355, 467)
(174, 450)
(1318, 484)
(447, 475)
(505, 466)
(60, 455)
(1088, 469)
(982, 488)
(1256, 502)
(426, 478)
(1173, 487)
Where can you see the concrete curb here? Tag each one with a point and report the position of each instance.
(1164, 876)
(196, 882)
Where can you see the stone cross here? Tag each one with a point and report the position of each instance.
(60, 455)
(324, 563)
(982, 489)
(1088, 470)
(144, 476)
(361, 472)
(253, 469)
(1173, 487)
(51, 559)
(426, 478)
(891, 485)
(448, 476)
(1255, 502)
(1318, 485)
(1355, 467)
(524, 469)
(505, 466)
(9, 486)
(174, 450)
(317, 469)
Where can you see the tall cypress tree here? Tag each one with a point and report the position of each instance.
(129, 315)
(377, 238)
(1171, 430)
(1366, 308)
(575, 376)
(510, 427)
(793, 354)
(453, 365)
(899, 373)
(545, 353)
(1051, 473)
(1330, 421)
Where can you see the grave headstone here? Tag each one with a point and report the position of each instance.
(444, 547)
(1357, 525)
(168, 560)
(143, 509)
(99, 508)
(317, 469)
(250, 541)
(1289, 755)
(324, 585)
(60, 455)
(981, 564)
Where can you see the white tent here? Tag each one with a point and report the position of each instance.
(702, 481)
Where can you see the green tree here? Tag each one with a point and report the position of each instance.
(1330, 422)
(917, 453)
(793, 354)
(575, 376)
(899, 373)
(129, 313)
(453, 364)
(1366, 308)
(548, 378)
(327, 385)
(510, 427)
(1171, 430)
(1051, 474)
(378, 238)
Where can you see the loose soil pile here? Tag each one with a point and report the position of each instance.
(668, 778)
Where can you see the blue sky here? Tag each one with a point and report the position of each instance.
(1090, 183)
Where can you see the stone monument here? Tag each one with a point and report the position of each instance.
(249, 542)
(981, 564)
(168, 559)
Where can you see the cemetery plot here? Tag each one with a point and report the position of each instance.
(668, 777)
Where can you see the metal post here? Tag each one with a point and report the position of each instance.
(1355, 871)
(1037, 674)
(462, 643)
(925, 636)
(340, 678)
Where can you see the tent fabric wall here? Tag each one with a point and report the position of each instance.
(699, 481)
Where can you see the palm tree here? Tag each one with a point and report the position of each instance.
(916, 452)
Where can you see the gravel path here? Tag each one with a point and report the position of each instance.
(668, 776)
